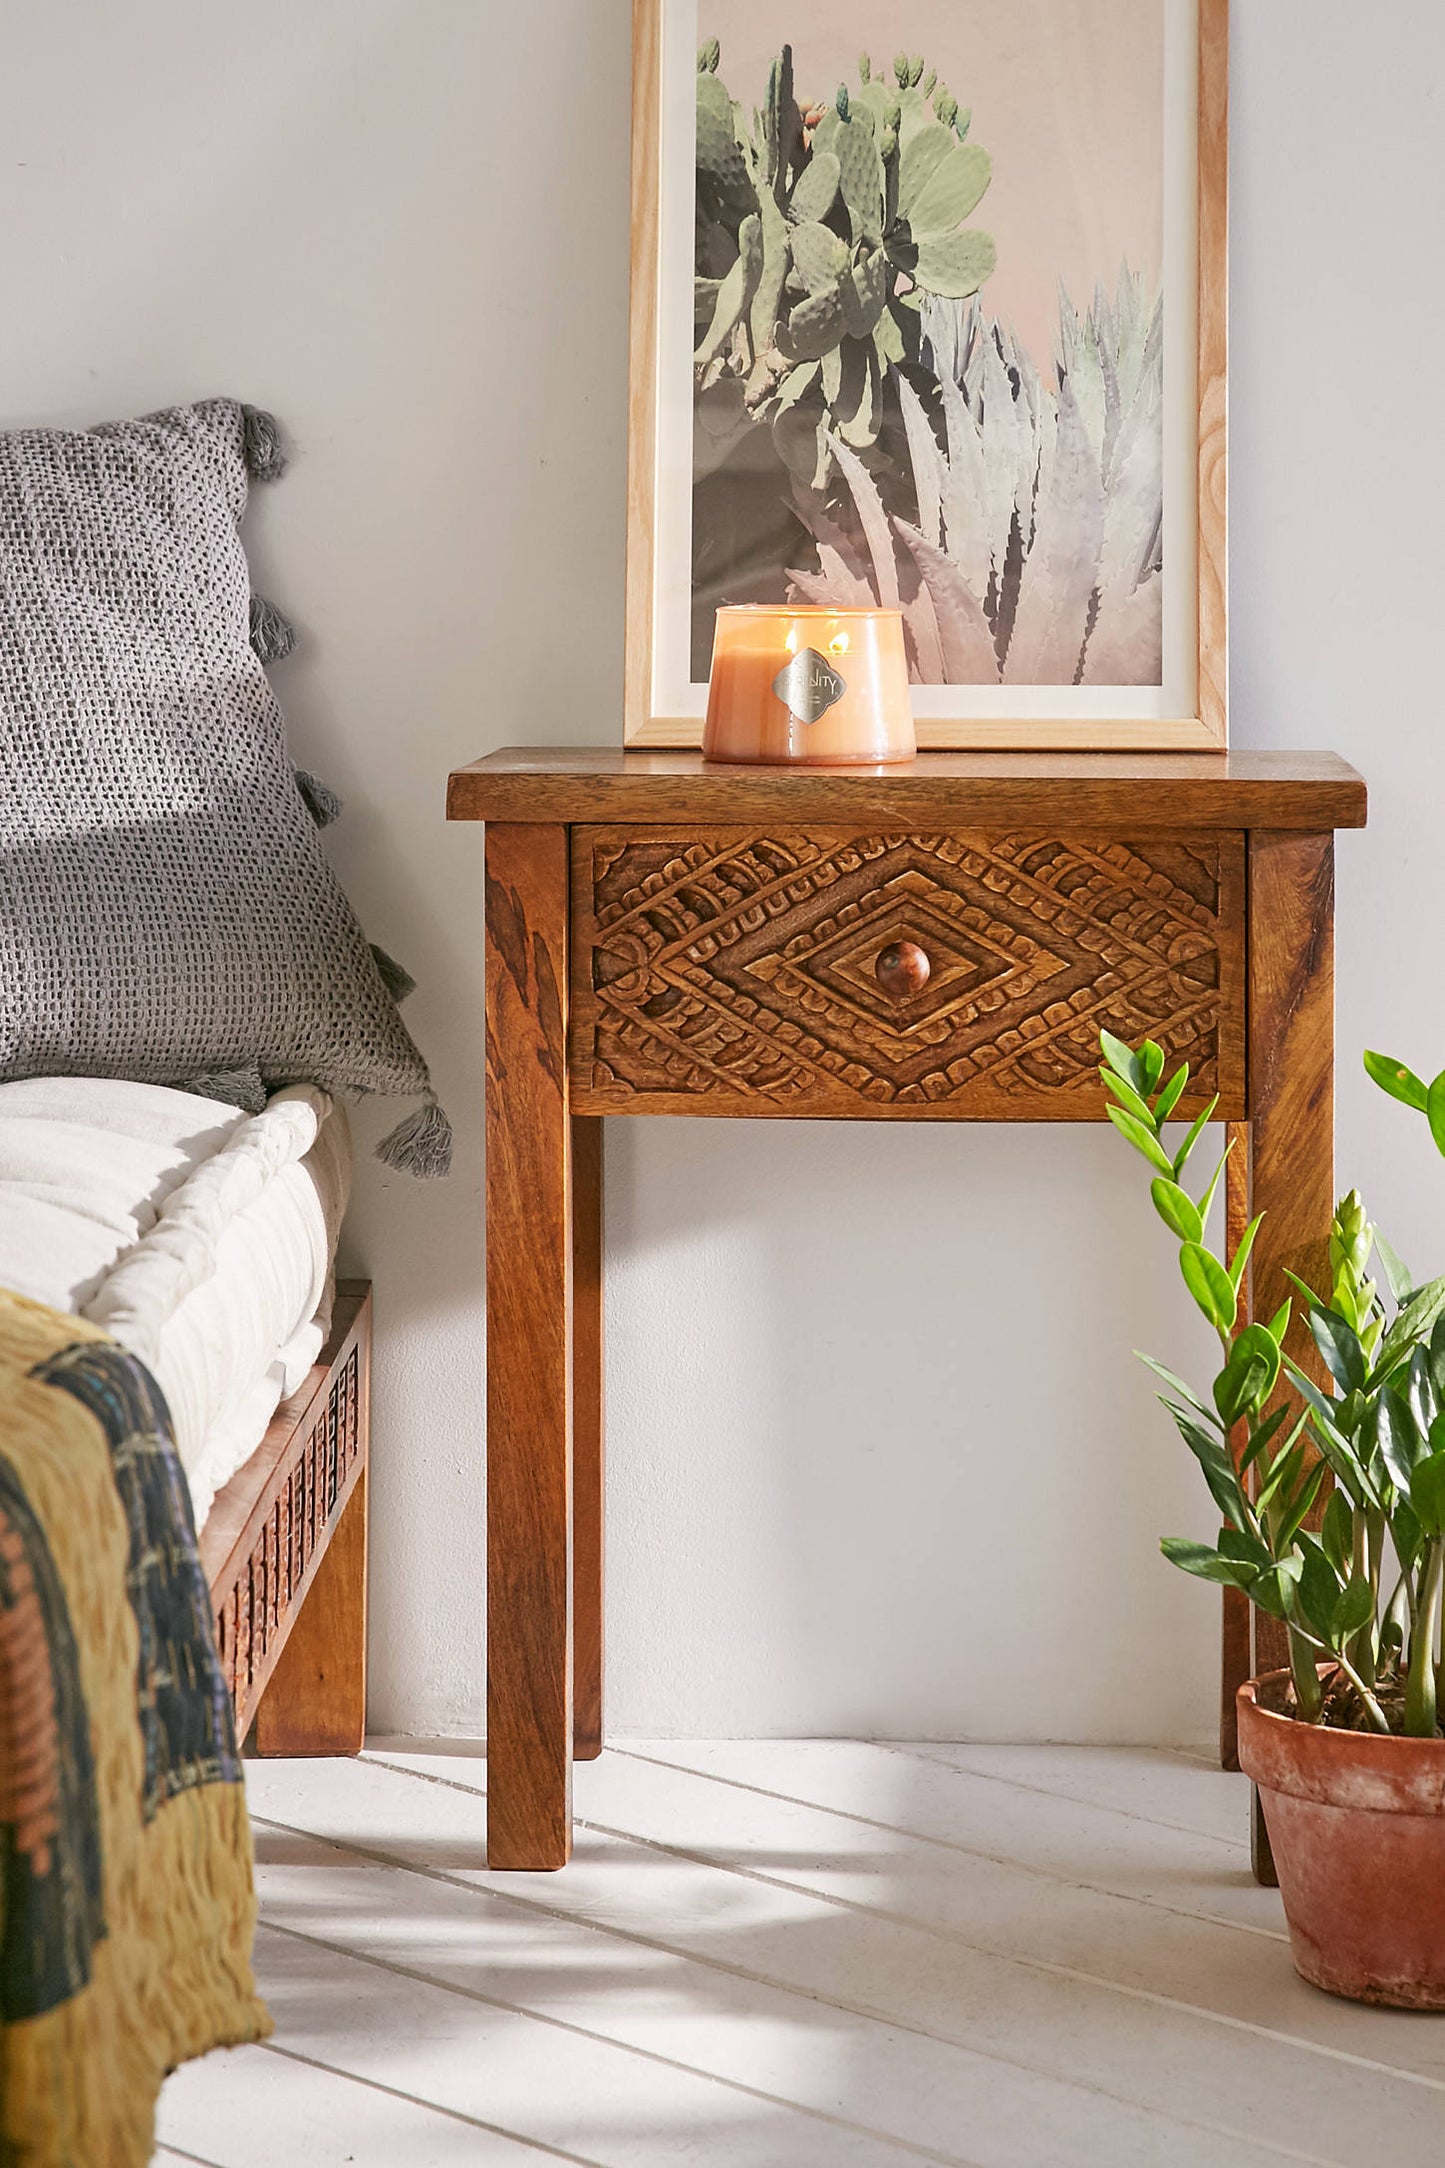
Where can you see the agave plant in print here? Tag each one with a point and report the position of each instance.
(1028, 545)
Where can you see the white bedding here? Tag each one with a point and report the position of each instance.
(204, 1239)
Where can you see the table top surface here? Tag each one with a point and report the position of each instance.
(604, 784)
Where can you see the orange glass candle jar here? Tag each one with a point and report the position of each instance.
(809, 685)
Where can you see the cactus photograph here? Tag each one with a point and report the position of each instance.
(928, 328)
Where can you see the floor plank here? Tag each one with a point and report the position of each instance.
(785, 1922)
(1086, 1843)
(1179, 1791)
(795, 2048)
(241, 2107)
(460, 2047)
(817, 1954)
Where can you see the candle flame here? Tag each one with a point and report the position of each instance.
(838, 645)
(790, 645)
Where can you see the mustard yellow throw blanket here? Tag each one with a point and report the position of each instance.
(126, 1901)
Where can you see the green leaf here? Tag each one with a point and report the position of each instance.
(1127, 1097)
(1210, 1285)
(1263, 1434)
(1272, 1590)
(1397, 1273)
(1341, 1455)
(1172, 1093)
(1435, 1111)
(1181, 1157)
(1177, 1209)
(1401, 1083)
(1413, 1322)
(1398, 1436)
(1337, 1533)
(1217, 1466)
(1299, 1506)
(1319, 1590)
(1427, 1494)
(1206, 1564)
(1206, 1202)
(1242, 1544)
(1122, 1060)
(1356, 1607)
(1241, 1255)
(1142, 1139)
(1311, 1298)
(1177, 1385)
(1248, 1378)
(1339, 1344)
(1278, 1325)
(1258, 1340)
(1239, 1387)
(1419, 1389)
(1406, 1533)
(1152, 1056)
(1283, 1472)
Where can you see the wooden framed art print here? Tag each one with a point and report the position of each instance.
(928, 312)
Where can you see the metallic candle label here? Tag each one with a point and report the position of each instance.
(809, 685)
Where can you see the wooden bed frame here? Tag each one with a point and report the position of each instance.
(284, 1553)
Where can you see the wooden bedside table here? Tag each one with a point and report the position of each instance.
(940, 942)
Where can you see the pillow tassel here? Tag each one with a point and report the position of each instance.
(272, 635)
(395, 977)
(261, 445)
(241, 1088)
(320, 800)
(421, 1145)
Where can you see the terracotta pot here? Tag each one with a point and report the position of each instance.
(1357, 1826)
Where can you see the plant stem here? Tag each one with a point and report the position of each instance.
(1399, 1611)
(1372, 1707)
(1420, 1687)
(1364, 1649)
(1309, 1694)
(1299, 1639)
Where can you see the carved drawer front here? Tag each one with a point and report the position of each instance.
(957, 976)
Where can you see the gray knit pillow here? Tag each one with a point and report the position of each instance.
(166, 910)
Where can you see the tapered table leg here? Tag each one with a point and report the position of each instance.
(529, 1351)
(1292, 1109)
(587, 1436)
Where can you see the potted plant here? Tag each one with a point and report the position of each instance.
(1332, 1512)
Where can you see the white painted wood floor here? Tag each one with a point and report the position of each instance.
(812, 1955)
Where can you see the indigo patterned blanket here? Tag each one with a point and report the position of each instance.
(126, 1901)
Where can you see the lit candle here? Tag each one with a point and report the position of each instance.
(811, 685)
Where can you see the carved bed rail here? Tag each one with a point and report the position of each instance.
(284, 1553)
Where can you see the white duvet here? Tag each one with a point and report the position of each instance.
(204, 1239)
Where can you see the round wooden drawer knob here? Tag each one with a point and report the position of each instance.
(902, 969)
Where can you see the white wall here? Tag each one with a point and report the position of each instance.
(881, 1460)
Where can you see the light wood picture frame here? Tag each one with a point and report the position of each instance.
(1156, 616)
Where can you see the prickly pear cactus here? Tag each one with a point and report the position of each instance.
(821, 225)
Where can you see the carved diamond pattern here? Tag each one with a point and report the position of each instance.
(738, 964)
